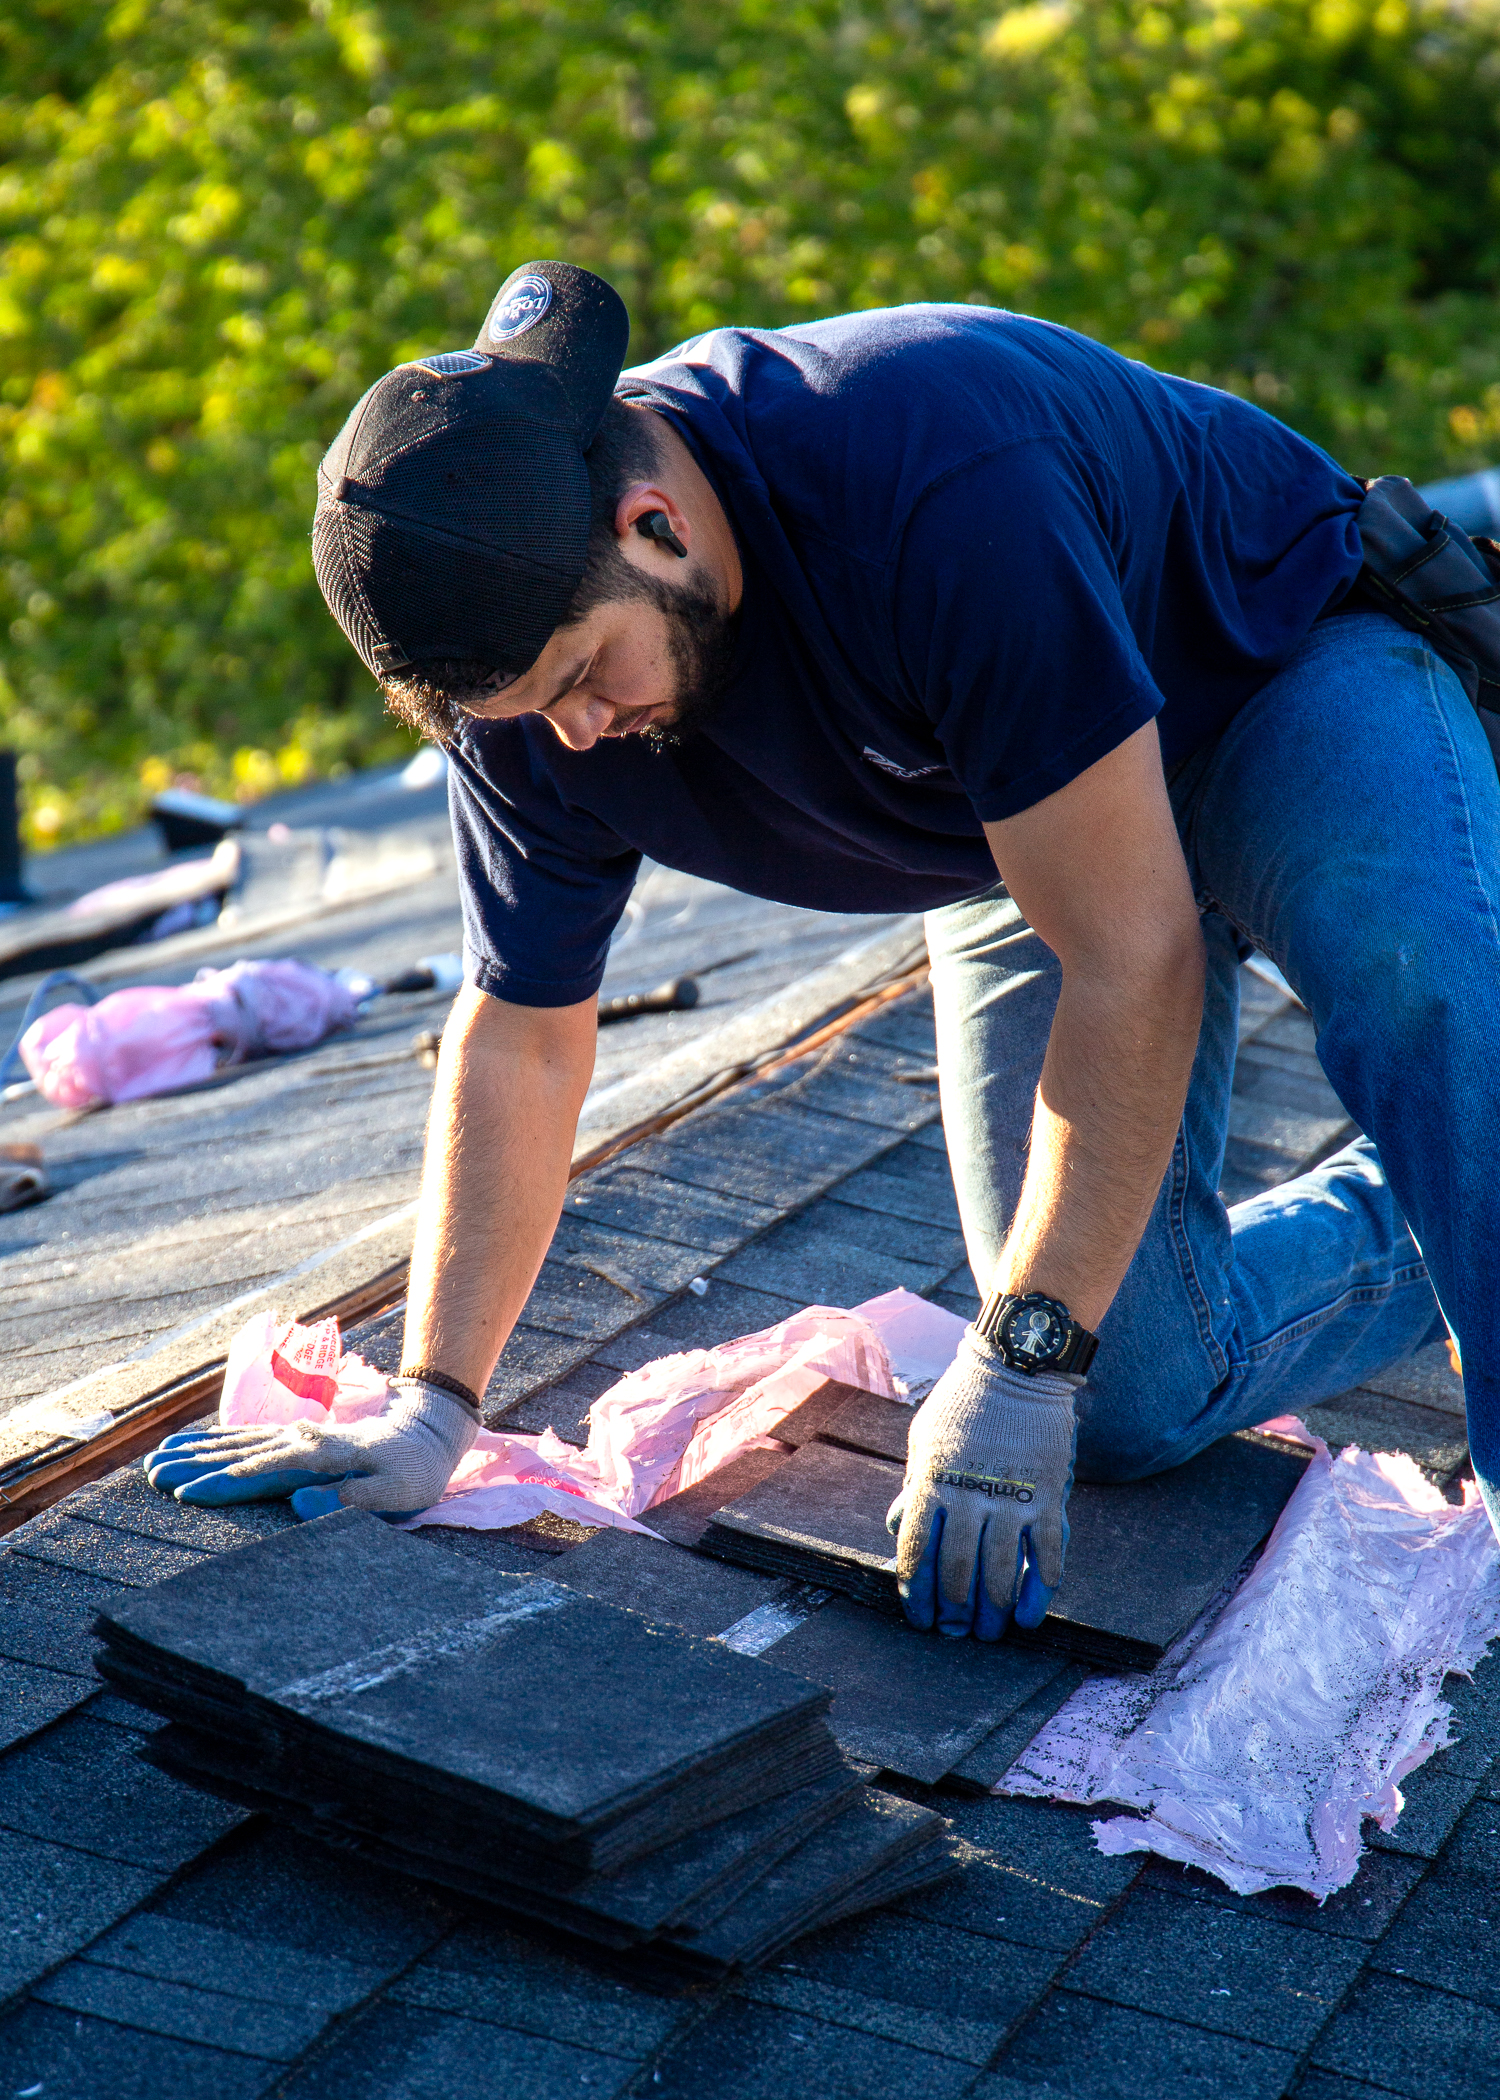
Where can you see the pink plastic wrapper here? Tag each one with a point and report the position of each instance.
(654, 1433)
(1259, 1746)
(281, 1371)
(152, 1038)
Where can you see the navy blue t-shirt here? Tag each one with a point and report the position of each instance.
(979, 552)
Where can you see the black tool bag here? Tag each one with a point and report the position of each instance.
(1433, 578)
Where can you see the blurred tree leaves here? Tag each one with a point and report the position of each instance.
(219, 222)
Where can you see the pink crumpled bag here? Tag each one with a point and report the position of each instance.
(656, 1431)
(280, 1371)
(150, 1039)
(664, 1427)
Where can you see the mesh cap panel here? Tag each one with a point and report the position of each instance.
(402, 592)
(465, 481)
(454, 505)
(458, 527)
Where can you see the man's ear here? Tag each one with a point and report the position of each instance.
(645, 500)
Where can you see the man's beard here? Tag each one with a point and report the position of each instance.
(436, 698)
(703, 641)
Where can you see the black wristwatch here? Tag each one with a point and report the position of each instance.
(1035, 1333)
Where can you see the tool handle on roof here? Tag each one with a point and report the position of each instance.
(677, 995)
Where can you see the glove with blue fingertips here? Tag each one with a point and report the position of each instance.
(394, 1463)
(981, 1521)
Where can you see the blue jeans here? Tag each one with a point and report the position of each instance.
(1347, 823)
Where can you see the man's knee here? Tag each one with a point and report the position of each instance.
(1132, 1437)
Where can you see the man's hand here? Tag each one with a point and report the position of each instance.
(394, 1463)
(982, 1516)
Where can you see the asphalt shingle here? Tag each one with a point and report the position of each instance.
(1448, 1934)
(422, 2055)
(939, 2034)
(776, 1153)
(532, 1358)
(906, 1024)
(1327, 2085)
(1086, 2050)
(245, 2026)
(565, 1405)
(60, 2056)
(490, 1973)
(98, 1549)
(858, 1081)
(213, 1961)
(809, 1258)
(722, 1314)
(126, 1501)
(964, 1985)
(32, 1698)
(1035, 1875)
(1217, 1968)
(671, 1210)
(1376, 1422)
(1436, 1796)
(762, 2052)
(287, 1894)
(1361, 1911)
(47, 1613)
(57, 1900)
(1409, 2039)
(1476, 1719)
(83, 1784)
(926, 1198)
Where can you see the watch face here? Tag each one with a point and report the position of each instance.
(1033, 1332)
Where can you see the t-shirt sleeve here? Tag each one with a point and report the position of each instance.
(1010, 625)
(541, 882)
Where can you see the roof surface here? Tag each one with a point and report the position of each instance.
(166, 1209)
(157, 1942)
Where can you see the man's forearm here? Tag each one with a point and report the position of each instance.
(1107, 1111)
(511, 1081)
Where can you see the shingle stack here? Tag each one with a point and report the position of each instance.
(643, 1788)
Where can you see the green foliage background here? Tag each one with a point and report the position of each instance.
(221, 219)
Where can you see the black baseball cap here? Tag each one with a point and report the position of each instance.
(453, 506)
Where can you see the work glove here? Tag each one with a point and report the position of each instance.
(393, 1463)
(981, 1519)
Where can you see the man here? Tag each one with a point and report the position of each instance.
(862, 615)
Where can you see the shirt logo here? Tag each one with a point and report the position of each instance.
(520, 309)
(889, 765)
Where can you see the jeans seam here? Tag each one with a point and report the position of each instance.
(1461, 796)
(1357, 1294)
(1182, 1241)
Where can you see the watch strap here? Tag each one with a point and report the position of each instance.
(1078, 1351)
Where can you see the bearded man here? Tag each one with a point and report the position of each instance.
(938, 609)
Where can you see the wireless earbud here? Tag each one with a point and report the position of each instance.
(654, 526)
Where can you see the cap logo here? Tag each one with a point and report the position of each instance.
(520, 309)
